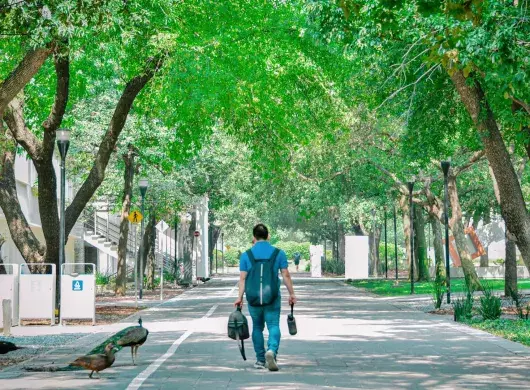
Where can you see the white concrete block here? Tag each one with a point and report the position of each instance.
(356, 258)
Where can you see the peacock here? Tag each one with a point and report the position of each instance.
(96, 362)
(134, 337)
(6, 347)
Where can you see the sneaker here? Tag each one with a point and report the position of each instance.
(271, 361)
(259, 365)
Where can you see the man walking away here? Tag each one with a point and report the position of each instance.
(297, 257)
(259, 281)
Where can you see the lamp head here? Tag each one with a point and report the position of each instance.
(63, 135)
(445, 167)
(63, 142)
(143, 183)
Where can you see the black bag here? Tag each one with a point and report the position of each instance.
(238, 329)
(291, 322)
(262, 284)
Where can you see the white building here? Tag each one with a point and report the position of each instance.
(94, 238)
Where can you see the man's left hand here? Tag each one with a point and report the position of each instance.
(238, 302)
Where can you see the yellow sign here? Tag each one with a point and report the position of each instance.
(135, 217)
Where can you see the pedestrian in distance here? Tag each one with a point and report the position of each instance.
(259, 282)
(296, 258)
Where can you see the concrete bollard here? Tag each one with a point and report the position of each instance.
(7, 313)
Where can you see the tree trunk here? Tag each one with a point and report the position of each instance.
(420, 245)
(374, 237)
(121, 276)
(405, 209)
(216, 231)
(439, 263)
(146, 244)
(484, 259)
(151, 261)
(512, 202)
(342, 243)
(510, 269)
(25, 240)
(470, 274)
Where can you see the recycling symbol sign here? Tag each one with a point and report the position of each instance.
(77, 285)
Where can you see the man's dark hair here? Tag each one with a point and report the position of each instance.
(261, 232)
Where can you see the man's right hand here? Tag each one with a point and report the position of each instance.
(292, 300)
(238, 302)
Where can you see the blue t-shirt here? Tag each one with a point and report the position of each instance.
(263, 250)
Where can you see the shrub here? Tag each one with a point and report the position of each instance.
(333, 267)
(232, 257)
(169, 277)
(438, 287)
(291, 247)
(101, 279)
(308, 267)
(490, 304)
(463, 307)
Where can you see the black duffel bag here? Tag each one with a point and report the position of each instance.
(238, 329)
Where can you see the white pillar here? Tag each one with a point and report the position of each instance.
(315, 255)
(356, 258)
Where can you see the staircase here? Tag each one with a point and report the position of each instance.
(102, 230)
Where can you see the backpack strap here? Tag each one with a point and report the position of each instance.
(274, 255)
(251, 257)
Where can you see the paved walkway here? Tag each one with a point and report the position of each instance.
(347, 339)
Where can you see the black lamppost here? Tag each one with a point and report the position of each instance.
(175, 251)
(410, 186)
(395, 244)
(445, 168)
(223, 250)
(143, 183)
(337, 242)
(63, 142)
(386, 247)
(374, 250)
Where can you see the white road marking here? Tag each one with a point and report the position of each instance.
(137, 382)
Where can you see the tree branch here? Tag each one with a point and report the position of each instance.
(14, 118)
(476, 157)
(108, 143)
(62, 70)
(23, 73)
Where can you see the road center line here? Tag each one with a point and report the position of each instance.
(145, 374)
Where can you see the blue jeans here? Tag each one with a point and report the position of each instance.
(269, 315)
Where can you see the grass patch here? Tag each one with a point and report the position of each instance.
(514, 330)
(386, 287)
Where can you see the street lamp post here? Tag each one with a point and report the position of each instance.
(216, 246)
(410, 186)
(337, 239)
(223, 251)
(143, 183)
(395, 244)
(374, 250)
(175, 270)
(386, 247)
(445, 168)
(63, 142)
